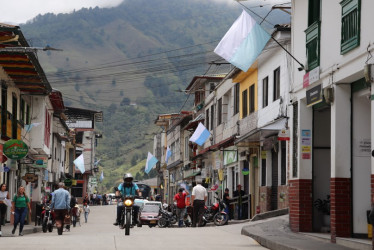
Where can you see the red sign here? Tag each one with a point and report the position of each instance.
(1, 153)
(306, 80)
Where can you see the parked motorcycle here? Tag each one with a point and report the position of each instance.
(216, 213)
(166, 218)
(48, 219)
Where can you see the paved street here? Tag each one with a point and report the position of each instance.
(99, 233)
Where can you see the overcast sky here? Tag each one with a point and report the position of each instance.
(20, 11)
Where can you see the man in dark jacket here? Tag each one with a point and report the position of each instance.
(239, 193)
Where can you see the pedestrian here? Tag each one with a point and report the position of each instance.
(4, 196)
(180, 198)
(86, 200)
(61, 204)
(73, 210)
(87, 210)
(199, 197)
(239, 193)
(20, 206)
(226, 200)
(94, 199)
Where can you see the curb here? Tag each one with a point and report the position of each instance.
(265, 242)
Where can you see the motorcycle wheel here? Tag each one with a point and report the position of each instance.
(204, 223)
(44, 226)
(187, 221)
(128, 223)
(220, 219)
(74, 220)
(50, 228)
(162, 222)
(173, 219)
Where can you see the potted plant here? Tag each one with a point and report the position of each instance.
(323, 206)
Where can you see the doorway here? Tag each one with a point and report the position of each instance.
(274, 179)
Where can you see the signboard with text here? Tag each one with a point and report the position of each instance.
(314, 95)
(15, 149)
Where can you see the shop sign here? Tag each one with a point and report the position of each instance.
(263, 155)
(30, 177)
(74, 182)
(68, 182)
(314, 95)
(311, 77)
(40, 162)
(284, 135)
(230, 156)
(15, 149)
(306, 143)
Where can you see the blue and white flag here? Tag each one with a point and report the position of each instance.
(151, 162)
(79, 163)
(200, 135)
(28, 127)
(243, 42)
(102, 176)
(168, 154)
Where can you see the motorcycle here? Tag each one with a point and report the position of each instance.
(166, 219)
(216, 213)
(126, 219)
(48, 219)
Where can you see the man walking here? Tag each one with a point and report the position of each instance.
(199, 197)
(180, 198)
(60, 204)
(239, 193)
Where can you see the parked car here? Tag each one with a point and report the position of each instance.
(149, 214)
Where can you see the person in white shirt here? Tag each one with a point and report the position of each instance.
(198, 199)
(86, 209)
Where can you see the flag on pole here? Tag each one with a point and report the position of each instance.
(28, 127)
(102, 176)
(151, 162)
(200, 135)
(243, 42)
(79, 163)
(168, 154)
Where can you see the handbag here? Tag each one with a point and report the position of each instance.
(67, 219)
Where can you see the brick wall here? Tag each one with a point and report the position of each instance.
(282, 197)
(300, 203)
(265, 199)
(341, 210)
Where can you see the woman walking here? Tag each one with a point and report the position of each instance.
(3, 206)
(20, 206)
(86, 209)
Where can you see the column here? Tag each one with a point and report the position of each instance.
(340, 184)
(300, 186)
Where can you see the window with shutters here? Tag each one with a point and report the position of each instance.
(212, 117)
(276, 85)
(47, 128)
(245, 103)
(350, 37)
(207, 119)
(219, 112)
(313, 34)
(236, 98)
(252, 98)
(265, 92)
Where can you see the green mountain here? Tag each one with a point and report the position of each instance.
(131, 62)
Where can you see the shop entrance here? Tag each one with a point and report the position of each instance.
(321, 165)
(361, 152)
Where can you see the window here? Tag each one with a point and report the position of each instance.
(212, 117)
(350, 39)
(276, 87)
(22, 115)
(219, 112)
(236, 98)
(207, 119)
(14, 116)
(265, 92)
(252, 99)
(313, 34)
(172, 149)
(245, 103)
(187, 148)
(47, 128)
(314, 11)
(4, 107)
(212, 86)
(27, 114)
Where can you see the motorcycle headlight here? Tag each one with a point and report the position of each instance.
(128, 203)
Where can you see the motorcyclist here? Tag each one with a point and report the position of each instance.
(127, 188)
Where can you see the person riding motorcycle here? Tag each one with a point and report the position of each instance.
(127, 188)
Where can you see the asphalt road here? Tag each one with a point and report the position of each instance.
(99, 233)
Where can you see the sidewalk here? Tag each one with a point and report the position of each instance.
(274, 233)
(27, 229)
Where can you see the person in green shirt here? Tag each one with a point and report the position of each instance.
(20, 206)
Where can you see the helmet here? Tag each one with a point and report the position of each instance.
(128, 178)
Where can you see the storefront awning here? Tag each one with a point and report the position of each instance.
(174, 164)
(192, 175)
(265, 131)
